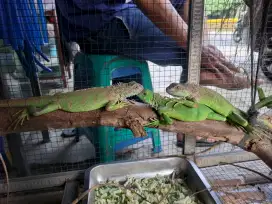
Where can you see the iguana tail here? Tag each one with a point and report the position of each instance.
(238, 119)
(249, 128)
(241, 113)
(32, 101)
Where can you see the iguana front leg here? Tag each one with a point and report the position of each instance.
(153, 123)
(114, 105)
(156, 122)
(166, 120)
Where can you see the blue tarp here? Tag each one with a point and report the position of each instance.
(23, 27)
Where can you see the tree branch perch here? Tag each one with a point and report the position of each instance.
(134, 117)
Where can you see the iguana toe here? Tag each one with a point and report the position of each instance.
(20, 119)
(18, 112)
(153, 119)
(131, 101)
(123, 103)
(154, 123)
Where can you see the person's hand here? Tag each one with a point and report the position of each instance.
(216, 70)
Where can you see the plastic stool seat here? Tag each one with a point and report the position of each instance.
(105, 70)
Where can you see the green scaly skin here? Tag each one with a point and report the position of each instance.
(263, 99)
(178, 109)
(110, 97)
(212, 99)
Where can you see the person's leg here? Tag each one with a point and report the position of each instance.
(132, 34)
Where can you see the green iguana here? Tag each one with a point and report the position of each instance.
(110, 97)
(210, 98)
(178, 109)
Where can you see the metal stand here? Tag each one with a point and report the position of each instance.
(70, 192)
(196, 16)
(15, 143)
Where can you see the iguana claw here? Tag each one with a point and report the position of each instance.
(115, 106)
(123, 104)
(154, 123)
(131, 101)
(238, 127)
(153, 119)
(22, 115)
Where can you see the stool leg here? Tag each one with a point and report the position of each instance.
(18, 158)
(106, 150)
(156, 141)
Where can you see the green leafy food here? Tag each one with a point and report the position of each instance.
(157, 190)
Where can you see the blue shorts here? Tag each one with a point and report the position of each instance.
(132, 34)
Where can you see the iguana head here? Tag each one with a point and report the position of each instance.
(178, 90)
(147, 96)
(129, 89)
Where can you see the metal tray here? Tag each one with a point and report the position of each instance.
(150, 168)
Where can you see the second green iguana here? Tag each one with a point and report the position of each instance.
(210, 98)
(171, 108)
(110, 97)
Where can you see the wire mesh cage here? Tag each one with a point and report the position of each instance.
(102, 43)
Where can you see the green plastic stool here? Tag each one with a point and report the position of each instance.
(101, 70)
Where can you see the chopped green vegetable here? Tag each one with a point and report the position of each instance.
(158, 190)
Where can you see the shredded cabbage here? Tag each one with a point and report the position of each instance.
(160, 189)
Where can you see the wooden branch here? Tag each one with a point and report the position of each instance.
(130, 117)
(263, 149)
(134, 117)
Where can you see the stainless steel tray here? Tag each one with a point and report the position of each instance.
(150, 168)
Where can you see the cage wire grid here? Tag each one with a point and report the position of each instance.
(76, 148)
